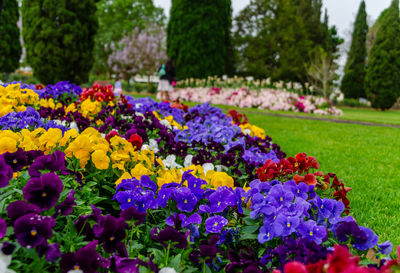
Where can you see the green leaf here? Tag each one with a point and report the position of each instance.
(176, 262)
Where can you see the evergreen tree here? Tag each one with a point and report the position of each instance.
(355, 69)
(10, 46)
(59, 38)
(383, 75)
(199, 37)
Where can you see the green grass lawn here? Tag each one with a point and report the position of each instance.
(366, 158)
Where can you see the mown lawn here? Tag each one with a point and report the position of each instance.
(366, 158)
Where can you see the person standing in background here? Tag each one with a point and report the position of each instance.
(167, 75)
(118, 87)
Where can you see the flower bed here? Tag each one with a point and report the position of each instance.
(90, 182)
(270, 99)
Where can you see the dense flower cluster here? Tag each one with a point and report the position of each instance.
(99, 183)
(270, 99)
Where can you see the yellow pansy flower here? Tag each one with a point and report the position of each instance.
(219, 179)
(124, 176)
(100, 160)
(139, 170)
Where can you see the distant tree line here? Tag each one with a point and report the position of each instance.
(285, 40)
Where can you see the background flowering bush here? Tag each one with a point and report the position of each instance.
(270, 99)
(114, 184)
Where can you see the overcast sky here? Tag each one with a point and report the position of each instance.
(341, 12)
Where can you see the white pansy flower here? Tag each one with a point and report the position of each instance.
(220, 168)
(169, 162)
(165, 123)
(75, 271)
(188, 161)
(5, 261)
(247, 131)
(73, 125)
(207, 167)
(167, 270)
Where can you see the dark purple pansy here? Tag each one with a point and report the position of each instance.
(207, 249)
(33, 230)
(51, 252)
(44, 191)
(66, 206)
(54, 162)
(3, 228)
(85, 259)
(110, 231)
(133, 214)
(82, 225)
(7, 248)
(20, 208)
(16, 160)
(169, 234)
(6, 172)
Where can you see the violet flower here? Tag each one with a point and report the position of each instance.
(6, 172)
(44, 191)
(133, 214)
(85, 259)
(33, 230)
(66, 206)
(51, 252)
(3, 228)
(215, 224)
(110, 231)
(169, 234)
(54, 162)
(20, 208)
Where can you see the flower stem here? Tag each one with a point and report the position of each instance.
(167, 256)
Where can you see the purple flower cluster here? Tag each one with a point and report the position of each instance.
(61, 90)
(213, 203)
(29, 119)
(299, 250)
(22, 85)
(296, 209)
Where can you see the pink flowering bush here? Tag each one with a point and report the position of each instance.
(270, 99)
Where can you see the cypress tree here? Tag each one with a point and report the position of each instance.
(10, 46)
(59, 38)
(383, 75)
(355, 69)
(199, 37)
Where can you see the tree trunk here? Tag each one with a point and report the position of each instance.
(1, 9)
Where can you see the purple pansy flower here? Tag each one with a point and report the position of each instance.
(3, 228)
(311, 231)
(110, 231)
(44, 191)
(20, 208)
(185, 199)
(85, 259)
(133, 213)
(66, 206)
(54, 162)
(6, 172)
(169, 234)
(215, 224)
(33, 230)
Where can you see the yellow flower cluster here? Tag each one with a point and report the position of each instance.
(85, 146)
(49, 103)
(90, 108)
(254, 130)
(15, 99)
